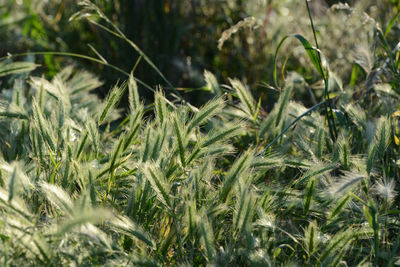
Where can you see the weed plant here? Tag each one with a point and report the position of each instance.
(83, 182)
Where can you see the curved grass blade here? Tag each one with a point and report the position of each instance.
(311, 52)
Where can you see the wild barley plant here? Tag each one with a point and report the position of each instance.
(84, 182)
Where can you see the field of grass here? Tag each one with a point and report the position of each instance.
(309, 179)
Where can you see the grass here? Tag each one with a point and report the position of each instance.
(85, 182)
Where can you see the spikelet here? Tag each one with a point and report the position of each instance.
(158, 183)
(125, 226)
(80, 83)
(267, 125)
(386, 189)
(135, 121)
(247, 102)
(44, 129)
(244, 211)
(133, 96)
(14, 176)
(240, 166)
(282, 105)
(58, 197)
(181, 140)
(161, 107)
(311, 238)
(321, 134)
(344, 184)
(212, 83)
(93, 132)
(7, 68)
(337, 242)
(317, 170)
(210, 109)
(357, 115)
(270, 162)
(207, 237)
(222, 134)
(249, 22)
(339, 206)
(383, 135)
(111, 102)
(81, 219)
(342, 152)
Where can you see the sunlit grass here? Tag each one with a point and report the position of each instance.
(85, 182)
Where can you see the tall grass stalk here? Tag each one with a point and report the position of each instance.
(325, 77)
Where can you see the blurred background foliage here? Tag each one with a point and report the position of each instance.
(181, 38)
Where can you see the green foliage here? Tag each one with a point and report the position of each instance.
(85, 182)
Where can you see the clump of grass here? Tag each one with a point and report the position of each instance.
(84, 182)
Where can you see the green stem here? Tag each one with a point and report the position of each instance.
(329, 113)
(290, 125)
